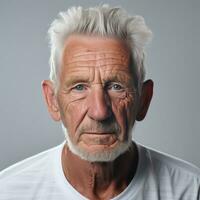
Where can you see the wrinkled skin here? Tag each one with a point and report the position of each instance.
(98, 104)
(87, 95)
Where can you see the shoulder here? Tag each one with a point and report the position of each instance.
(170, 162)
(26, 164)
(170, 176)
(28, 170)
(37, 177)
(167, 168)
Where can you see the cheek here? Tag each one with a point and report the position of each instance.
(72, 113)
(124, 111)
(129, 105)
(71, 118)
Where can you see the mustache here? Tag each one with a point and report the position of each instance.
(107, 126)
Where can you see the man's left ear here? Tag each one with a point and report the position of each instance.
(145, 99)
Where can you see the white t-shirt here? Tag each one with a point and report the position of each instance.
(158, 177)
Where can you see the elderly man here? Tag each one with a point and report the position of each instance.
(97, 91)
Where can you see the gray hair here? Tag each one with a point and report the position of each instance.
(102, 21)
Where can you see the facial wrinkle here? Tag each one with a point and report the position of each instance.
(71, 103)
(97, 81)
(106, 76)
(98, 60)
(109, 125)
(93, 63)
(100, 65)
(77, 68)
(99, 55)
(68, 104)
(128, 98)
(122, 77)
(96, 63)
(74, 99)
(78, 51)
(80, 119)
(92, 52)
(125, 105)
(96, 56)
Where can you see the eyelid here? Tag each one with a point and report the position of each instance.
(110, 83)
(71, 83)
(78, 83)
(73, 87)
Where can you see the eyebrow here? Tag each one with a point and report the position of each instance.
(76, 79)
(121, 77)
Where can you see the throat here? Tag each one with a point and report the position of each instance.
(100, 180)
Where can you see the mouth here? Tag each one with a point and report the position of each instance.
(99, 133)
(98, 138)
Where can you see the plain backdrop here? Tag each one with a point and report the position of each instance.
(172, 124)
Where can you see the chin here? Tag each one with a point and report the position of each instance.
(100, 155)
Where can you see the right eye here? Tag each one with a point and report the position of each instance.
(79, 87)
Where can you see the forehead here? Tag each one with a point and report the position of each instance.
(85, 52)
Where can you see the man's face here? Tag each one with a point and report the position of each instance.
(96, 97)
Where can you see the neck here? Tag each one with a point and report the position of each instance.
(100, 180)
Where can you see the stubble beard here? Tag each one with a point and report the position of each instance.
(101, 156)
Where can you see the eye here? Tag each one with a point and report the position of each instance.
(79, 87)
(115, 87)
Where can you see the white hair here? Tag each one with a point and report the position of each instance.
(104, 21)
(101, 156)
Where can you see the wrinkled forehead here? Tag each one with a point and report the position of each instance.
(85, 57)
(95, 52)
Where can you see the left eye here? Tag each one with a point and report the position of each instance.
(116, 87)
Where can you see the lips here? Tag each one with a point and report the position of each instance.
(98, 133)
(96, 138)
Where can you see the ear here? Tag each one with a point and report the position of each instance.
(145, 99)
(50, 99)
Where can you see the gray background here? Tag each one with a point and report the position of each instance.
(172, 124)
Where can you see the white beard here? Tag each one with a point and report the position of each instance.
(104, 155)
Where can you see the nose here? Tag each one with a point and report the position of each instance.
(99, 105)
